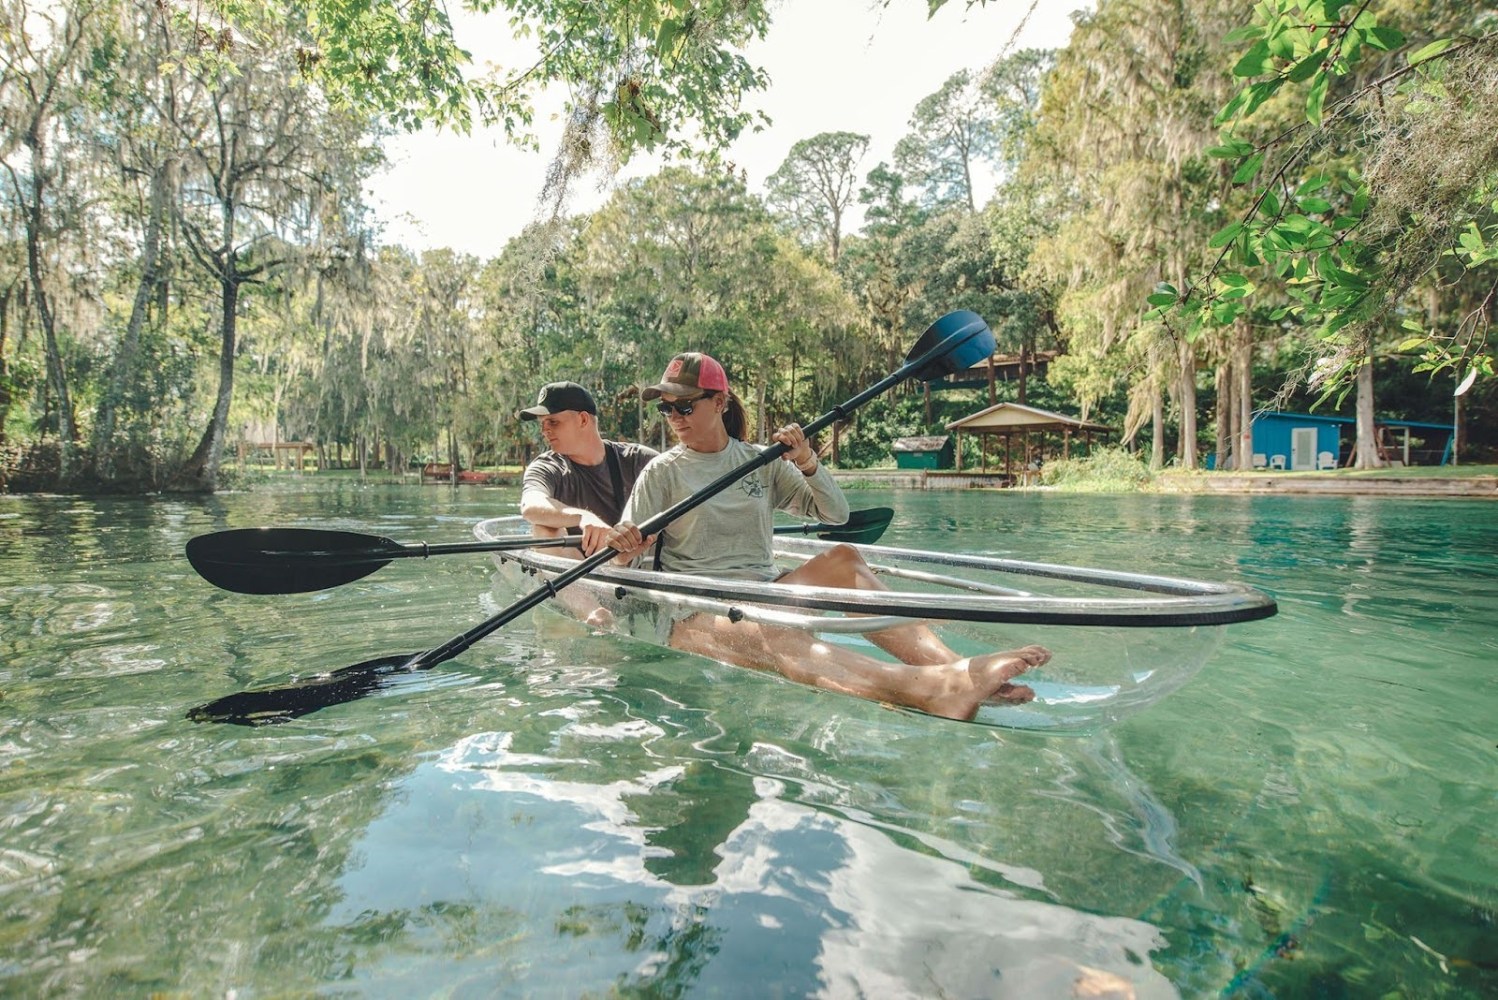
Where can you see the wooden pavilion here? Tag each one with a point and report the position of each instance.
(1009, 420)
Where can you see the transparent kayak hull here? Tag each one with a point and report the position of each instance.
(1119, 641)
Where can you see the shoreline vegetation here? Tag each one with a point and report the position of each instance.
(1108, 471)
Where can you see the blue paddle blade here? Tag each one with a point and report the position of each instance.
(973, 342)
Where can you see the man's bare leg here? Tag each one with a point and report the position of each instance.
(580, 604)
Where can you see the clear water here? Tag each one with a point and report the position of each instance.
(559, 814)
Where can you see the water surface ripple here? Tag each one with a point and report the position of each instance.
(562, 814)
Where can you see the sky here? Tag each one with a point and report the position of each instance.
(834, 65)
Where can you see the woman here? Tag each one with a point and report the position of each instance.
(730, 535)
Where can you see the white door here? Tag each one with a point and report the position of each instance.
(1303, 448)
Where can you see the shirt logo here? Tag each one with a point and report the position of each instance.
(752, 486)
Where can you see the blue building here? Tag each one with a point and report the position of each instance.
(1305, 441)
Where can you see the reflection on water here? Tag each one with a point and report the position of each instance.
(692, 874)
(557, 813)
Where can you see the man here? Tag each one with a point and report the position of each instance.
(580, 485)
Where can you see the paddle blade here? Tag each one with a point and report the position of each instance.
(270, 706)
(863, 527)
(972, 342)
(287, 560)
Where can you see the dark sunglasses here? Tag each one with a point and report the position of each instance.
(683, 407)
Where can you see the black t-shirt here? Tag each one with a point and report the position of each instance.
(590, 487)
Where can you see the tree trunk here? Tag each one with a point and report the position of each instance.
(1025, 351)
(1243, 355)
(56, 372)
(1458, 428)
(1224, 383)
(1367, 443)
(1186, 447)
(200, 473)
(122, 372)
(1157, 428)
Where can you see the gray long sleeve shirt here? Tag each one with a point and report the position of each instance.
(731, 534)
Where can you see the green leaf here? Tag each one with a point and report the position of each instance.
(1246, 33)
(1312, 185)
(1409, 345)
(1306, 68)
(1231, 108)
(1225, 235)
(1316, 205)
(1248, 169)
(1315, 97)
(1270, 206)
(1256, 61)
(1261, 92)
(1461, 390)
(665, 39)
(1431, 51)
(1231, 149)
(1384, 38)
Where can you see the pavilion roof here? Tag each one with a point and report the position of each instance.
(1003, 417)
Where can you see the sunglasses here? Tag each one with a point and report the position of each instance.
(683, 407)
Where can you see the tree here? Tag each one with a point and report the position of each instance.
(814, 187)
(44, 55)
(257, 146)
(1123, 124)
(951, 132)
(1385, 173)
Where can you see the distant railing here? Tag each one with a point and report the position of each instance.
(292, 453)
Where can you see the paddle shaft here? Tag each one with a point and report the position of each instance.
(455, 646)
(422, 550)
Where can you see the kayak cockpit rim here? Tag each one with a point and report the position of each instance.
(1152, 601)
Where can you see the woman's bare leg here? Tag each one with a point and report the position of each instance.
(842, 566)
(954, 689)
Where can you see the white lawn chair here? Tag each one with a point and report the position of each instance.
(1260, 461)
(1276, 461)
(1325, 460)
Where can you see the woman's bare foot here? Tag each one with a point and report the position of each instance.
(971, 682)
(1018, 694)
(600, 618)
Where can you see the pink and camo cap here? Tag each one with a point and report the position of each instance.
(687, 375)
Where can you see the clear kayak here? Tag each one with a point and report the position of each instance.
(1119, 641)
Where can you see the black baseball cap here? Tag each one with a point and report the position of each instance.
(559, 396)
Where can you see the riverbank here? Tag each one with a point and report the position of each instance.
(1347, 482)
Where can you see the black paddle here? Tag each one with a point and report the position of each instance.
(298, 560)
(953, 343)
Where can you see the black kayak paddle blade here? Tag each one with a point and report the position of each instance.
(288, 560)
